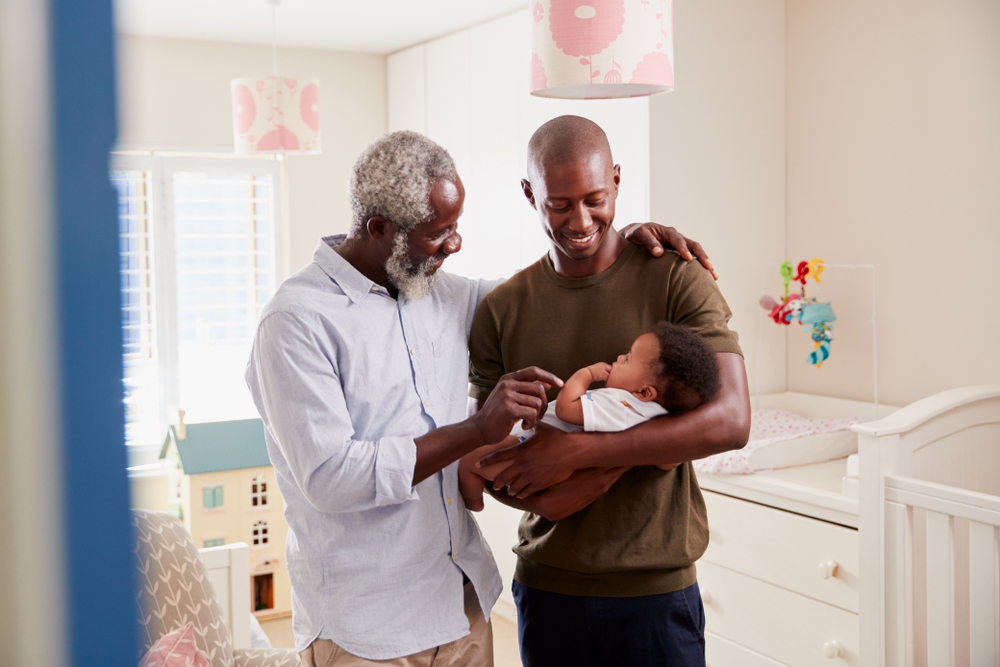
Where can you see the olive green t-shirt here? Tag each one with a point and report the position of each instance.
(643, 536)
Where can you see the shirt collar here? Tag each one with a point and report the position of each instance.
(354, 283)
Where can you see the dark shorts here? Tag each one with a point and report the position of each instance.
(666, 630)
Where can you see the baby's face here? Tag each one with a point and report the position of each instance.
(632, 370)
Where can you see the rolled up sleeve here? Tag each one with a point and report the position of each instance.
(293, 377)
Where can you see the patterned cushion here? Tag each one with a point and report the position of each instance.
(176, 649)
(173, 590)
(265, 657)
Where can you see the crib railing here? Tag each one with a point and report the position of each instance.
(942, 575)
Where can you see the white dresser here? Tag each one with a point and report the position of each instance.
(780, 577)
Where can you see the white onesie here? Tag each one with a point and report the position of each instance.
(604, 410)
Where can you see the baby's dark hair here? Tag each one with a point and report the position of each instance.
(686, 370)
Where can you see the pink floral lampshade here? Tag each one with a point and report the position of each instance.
(276, 115)
(598, 49)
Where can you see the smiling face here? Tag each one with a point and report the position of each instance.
(633, 371)
(575, 201)
(416, 257)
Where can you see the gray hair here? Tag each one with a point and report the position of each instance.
(393, 179)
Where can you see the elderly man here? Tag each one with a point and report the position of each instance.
(359, 372)
(610, 582)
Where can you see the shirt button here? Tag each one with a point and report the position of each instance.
(449, 501)
(413, 350)
(427, 404)
(453, 558)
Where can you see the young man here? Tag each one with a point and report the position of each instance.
(359, 371)
(613, 583)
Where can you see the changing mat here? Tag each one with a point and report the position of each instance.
(779, 439)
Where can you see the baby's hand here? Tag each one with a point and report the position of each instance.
(600, 371)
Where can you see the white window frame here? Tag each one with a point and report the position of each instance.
(261, 496)
(263, 538)
(164, 165)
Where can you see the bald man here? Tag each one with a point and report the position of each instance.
(606, 575)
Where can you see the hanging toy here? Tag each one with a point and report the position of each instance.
(815, 317)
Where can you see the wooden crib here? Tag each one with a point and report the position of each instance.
(895, 567)
(929, 529)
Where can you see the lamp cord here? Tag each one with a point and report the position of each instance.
(274, 41)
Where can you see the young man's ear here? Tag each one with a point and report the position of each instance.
(528, 192)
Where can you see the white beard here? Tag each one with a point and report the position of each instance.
(413, 280)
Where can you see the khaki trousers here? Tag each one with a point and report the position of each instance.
(473, 650)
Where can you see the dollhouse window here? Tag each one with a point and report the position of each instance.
(215, 542)
(211, 496)
(260, 536)
(258, 491)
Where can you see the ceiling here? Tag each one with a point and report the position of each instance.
(366, 26)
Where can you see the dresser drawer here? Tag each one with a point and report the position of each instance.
(720, 652)
(784, 626)
(785, 549)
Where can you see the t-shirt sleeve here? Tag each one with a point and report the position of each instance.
(604, 411)
(485, 357)
(696, 302)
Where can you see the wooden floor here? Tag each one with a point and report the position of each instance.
(505, 653)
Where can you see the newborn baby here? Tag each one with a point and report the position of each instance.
(668, 371)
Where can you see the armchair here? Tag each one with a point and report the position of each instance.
(173, 587)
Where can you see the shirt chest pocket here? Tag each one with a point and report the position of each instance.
(451, 368)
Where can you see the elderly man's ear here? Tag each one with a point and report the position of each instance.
(377, 227)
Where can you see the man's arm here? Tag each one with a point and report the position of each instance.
(568, 497)
(298, 392)
(549, 457)
(518, 396)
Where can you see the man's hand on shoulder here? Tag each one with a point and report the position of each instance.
(541, 461)
(654, 236)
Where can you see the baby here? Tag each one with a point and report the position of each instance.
(670, 370)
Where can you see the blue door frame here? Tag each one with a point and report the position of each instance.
(101, 607)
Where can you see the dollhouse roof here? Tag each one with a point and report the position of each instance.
(218, 446)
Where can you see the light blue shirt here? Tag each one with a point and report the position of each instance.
(345, 377)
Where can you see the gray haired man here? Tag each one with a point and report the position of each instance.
(359, 371)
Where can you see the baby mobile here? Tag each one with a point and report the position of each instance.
(814, 316)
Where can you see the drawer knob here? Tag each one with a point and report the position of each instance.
(706, 597)
(833, 649)
(828, 569)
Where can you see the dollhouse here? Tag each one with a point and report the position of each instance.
(222, 487)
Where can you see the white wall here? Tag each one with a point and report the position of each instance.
(894, 160)
(176, 93)
(32, 561)
(717, 146)
(469, 92)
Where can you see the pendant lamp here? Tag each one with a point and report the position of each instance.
(273, 114)
(600, 49)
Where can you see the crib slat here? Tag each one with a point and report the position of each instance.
(898, 585)
(940, 591)
(984, 595)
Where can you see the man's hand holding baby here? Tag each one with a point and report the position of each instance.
(544, 460)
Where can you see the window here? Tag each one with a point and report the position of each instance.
(215, 542)
(200, 246)
(258, 491)
(135, 236)
(211, 496)
(260, 537)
